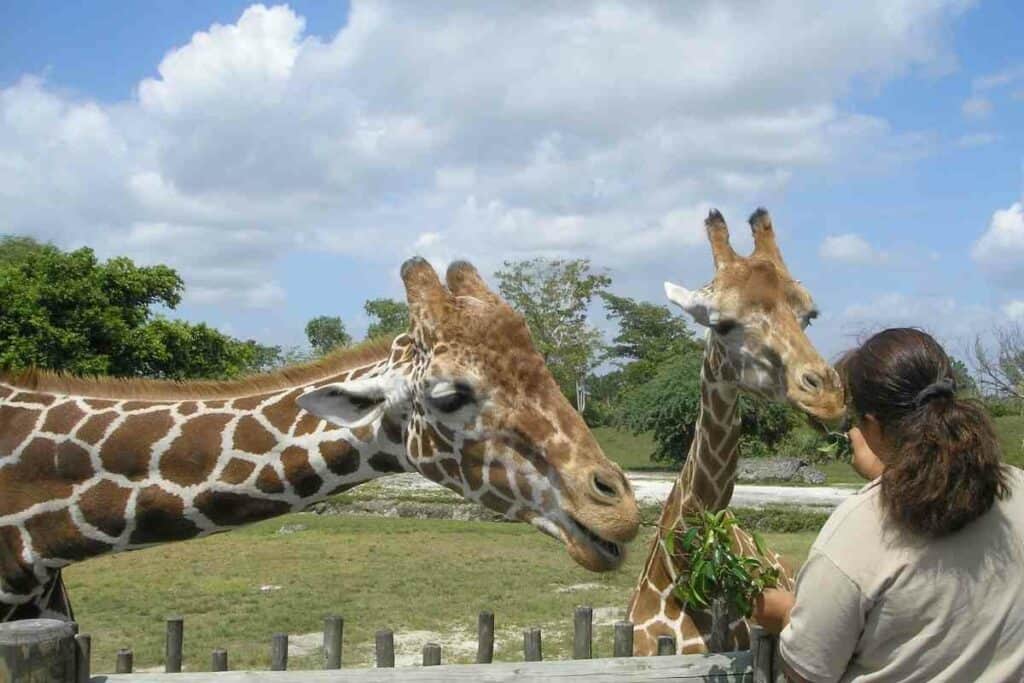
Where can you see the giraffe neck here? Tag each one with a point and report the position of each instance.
(705, 483)
(81, 477)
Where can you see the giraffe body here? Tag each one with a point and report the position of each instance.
(756, 315)
(89, 467)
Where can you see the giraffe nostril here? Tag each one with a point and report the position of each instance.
(604, 488)
(812, 381)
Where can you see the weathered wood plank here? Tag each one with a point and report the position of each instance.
(279, 652)
(431, 654)
(219, 660)
(720, 668)
(83, 663)
(532, 650)
(623, 639)
(334, 627)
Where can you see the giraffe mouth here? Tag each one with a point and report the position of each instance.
(603, 555)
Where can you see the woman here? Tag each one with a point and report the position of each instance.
(920, 575)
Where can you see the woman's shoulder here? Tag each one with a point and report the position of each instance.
(859, 513)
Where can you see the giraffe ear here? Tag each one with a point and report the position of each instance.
(698, 304)
(355, 403)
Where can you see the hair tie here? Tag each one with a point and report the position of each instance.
(944, 387)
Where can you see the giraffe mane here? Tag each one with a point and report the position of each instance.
(50, 381)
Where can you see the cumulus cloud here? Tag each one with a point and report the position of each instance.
(971, 140)
(482, 130)
(851, 248)
(976, 107)
(1000, 250)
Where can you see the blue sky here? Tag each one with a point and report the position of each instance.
(286, 159)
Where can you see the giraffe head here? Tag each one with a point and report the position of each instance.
(757, 314)
(483, 416)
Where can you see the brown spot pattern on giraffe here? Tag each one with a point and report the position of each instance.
(5, 392)
(127, 450)
(15, 576)
(62, 418)
(268, 481)
(299, 472)
(73, 462)
(192, 456)
(252, 437)
(99, 403)
(385, 462)
(393, 430)
(231, 509)
(92, 430)
(495, 502)
(54, 535)
(248, 402)
(187, 408)
(33, 479)
(307, 424)
(132, 406)
(159, 516)
(237, 471)
(283, 413)
(103, 506)
(32, 397)
(15, 426)
(340, 456)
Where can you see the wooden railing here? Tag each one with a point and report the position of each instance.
(47, 650)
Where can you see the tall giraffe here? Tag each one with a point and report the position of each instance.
(93, 466)
(756, 315)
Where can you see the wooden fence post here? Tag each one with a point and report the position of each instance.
(175, 644)
(83, 663)
(38, 650)
(666, 645)
(385, 642)
(334, 627)
(219, 660)
(719, 641)
(485, 638)
(583, 633)
(532, 645)
(431, 654)
(761, 654)
(279, 652)
(125, 661)
(623, 639)
(778, 675)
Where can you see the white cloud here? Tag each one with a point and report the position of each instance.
(851, 248)
(1000, 250)
(506, 130)
(972, 140)
(976, 107)
(1014, 310)
(999, 79)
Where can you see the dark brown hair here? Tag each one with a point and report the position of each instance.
(944, 468)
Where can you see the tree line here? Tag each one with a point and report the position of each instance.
(69, 311)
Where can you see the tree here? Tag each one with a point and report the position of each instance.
(326, 333)
(553, 295)
(648, 334)
(68, 311)
(668, 404)
(1001, 374)
(388, 318)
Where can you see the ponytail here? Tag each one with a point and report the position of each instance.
(944, 468)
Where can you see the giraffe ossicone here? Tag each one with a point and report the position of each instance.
(756, 315)
(93, 466)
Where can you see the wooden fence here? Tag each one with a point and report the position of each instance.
(47, 650)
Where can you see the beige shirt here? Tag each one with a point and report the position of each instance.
(873, 604)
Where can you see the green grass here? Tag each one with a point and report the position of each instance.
(1010, 430)
(408, 575)
(630, 451)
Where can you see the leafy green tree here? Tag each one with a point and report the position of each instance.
(553, 295)
(668, 404)
(326, 333)
(648, 334)
(69, 311)
(388, 318)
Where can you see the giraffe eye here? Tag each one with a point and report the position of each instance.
(449, 398)
(724, 327)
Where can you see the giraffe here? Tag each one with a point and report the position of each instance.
(756, 315)
(93, 466)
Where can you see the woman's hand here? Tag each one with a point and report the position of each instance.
(771, 609)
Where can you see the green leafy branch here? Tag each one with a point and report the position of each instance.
(712, 569)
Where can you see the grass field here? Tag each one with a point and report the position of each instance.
(427, 580)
